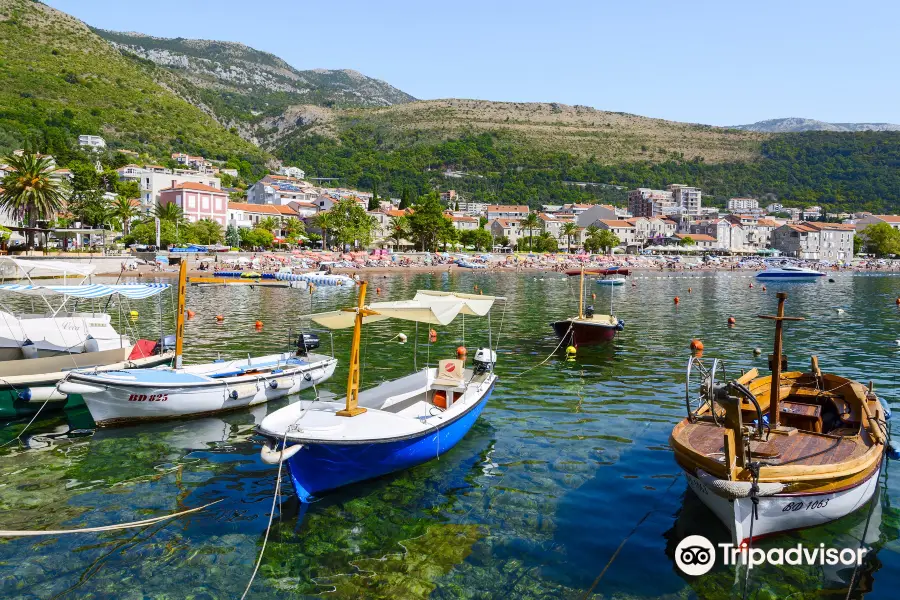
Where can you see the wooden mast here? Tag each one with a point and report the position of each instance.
(352, 409)
(179, 323)
(581, 295)
(775, 360)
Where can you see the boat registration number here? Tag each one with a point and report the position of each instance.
(146, 398)
(814, 505)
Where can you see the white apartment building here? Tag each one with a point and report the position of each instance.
(824, 241)
(506, 211)
(775, 207)
(624, 230)
(644, 202)
(687, 197)
(154, 178)
(91, 141)
(739, 205)
(295, 172)
(892, 220)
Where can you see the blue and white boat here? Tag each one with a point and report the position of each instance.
(790, 273)
(390, 427)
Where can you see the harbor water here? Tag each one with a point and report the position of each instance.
(564, 488)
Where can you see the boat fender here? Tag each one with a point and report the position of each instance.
(887, 409)
(893, 450)
(25, 394)
(271, 456)
(307, 376)
(29, 350)
(273, 384)
(233, 394)
(91, 345)
(736, 489)
(620, 326)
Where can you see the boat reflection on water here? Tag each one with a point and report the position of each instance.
(856, 530)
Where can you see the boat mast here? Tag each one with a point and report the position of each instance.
(179, 323)
(581, 295)
(776, 359)
(352, 408)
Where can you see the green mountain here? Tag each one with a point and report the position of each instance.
(58, 80)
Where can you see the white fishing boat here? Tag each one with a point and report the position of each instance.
(39, 349)
(392, 426)
(775, 453)
(137, 395)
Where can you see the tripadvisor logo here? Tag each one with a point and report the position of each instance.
(695, 555)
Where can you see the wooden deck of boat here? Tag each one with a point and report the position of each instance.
(801, 448)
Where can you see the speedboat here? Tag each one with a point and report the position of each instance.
(392, 426)
(789, 272)
(611, 280)
(780, 452)
(130, 395)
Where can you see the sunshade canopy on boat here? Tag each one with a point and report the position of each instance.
(435, 308)
(27, 266)
(134, 291)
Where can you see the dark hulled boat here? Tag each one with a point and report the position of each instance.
(587, 328)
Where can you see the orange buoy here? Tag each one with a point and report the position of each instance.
(377, 291)
(696, 345)
(751, 286)
(764, 288)
(690, 290)
(898, 301)
(259, 324)
(190, 314)
(220, 318)
(731, 321)
(432, 336)
(593, 296)
(677, 300)
(461, 353)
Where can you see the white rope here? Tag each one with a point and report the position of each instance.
(130, 525)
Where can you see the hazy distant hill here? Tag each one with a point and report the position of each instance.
(795, 124)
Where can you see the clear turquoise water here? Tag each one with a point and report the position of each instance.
(568, 460)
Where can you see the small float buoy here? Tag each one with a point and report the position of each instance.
(757, 351)
(475, 286)
(894, 450)
(220, 318)
(461, 353)
(593, 296)
(377, 291)
(401, 337)
(840, 311)
(898, 301)
(830, 280)
(677, 300)
(751, 286)
(690, 290)
(731, 321)
(570, 352)
(432, 336)
(764, 288)
(133, 314)
(190, 314)
(696, 345)
(259, 324)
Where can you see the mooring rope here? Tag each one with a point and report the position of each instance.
(130, 525)
(549, 356)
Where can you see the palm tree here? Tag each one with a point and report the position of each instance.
(124, 211)
(530, 222)
(399, 229)
(324, 221)
(169, 212)
(270, 224)
(28, 191)
(569, 230)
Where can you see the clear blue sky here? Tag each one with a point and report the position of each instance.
(718, 62)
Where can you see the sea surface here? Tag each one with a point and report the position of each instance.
(565, 487)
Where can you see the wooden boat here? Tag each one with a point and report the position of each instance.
(600, 271)
(130, 395)
(774, 453)
(588, 328)
(392, 426)
(38, 350)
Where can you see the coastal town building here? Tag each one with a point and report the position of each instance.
(508, 228)
(247, 216)
(740, 205)
(687, 199)
(624, 230)
(152, 179)
(280, 189)
(892, 220)
(198, 201)
(775, 207)
(94, 142)
(464, 222)
(292, 172)
(449, 198)
(505, 211)
(644, 202)
(811, 213)
(823, 241)
(701, 240)
(595, 213)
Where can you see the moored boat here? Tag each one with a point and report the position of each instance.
(789, 272)
(588, 328)
(129, 395)
(774, 453)
(392, 426)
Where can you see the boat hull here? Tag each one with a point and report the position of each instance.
(583, 334)
(783, 512)
(23, 396)
(317, 468)
(124, 403)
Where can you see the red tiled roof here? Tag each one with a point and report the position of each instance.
(615, 223)
(269, 209)
(464, 219)
(697, 237)
(767, 223)
(507, 222)
(191, 185)
(507, 208)
(888, 218)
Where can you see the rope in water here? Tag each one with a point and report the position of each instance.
(130, 525)
(549, 356)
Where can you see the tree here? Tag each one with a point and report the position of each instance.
(427, 221)
(605, 240)
(546, 242)
(399, 229)
(501, 240)
(123, 210)
(28, 190)
(881, 239)
(233, 237)
(293, 228)
(270, 224)
(456, 206)
(256, 237)
(373, 201)
(479, 239)
(351, 224)
(324, 221)
(529, 224)
(447, 234)
(405, 198)
(687, 241)
(207, 231)
(858, 242)
(569, 230)
(170, 212)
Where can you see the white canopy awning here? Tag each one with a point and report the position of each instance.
(57, 266)
(134, 291)
(473, 304)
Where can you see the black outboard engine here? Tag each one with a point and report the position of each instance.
(307, 342)
(589, 311)
(165, 344)
(484, 361)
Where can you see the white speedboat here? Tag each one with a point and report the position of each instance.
(790, 273)
(136, 395)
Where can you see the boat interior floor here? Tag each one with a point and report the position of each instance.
(798, 448)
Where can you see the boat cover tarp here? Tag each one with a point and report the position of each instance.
(435, 308)
(58, 266)
(134, 291)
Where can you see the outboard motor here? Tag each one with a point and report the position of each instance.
(589, 311)
(307, 342)
(484, 361)
(165, 344)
